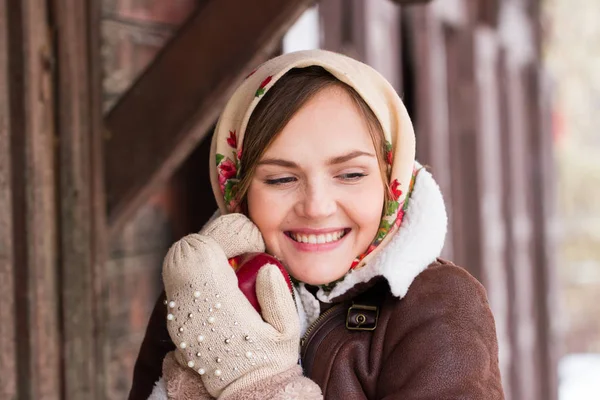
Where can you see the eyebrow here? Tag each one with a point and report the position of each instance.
(332, 161)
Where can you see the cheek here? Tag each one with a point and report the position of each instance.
(368, 207)
(266, 212)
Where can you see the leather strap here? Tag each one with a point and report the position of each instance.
(364, 312)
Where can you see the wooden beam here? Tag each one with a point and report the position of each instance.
(33, 197)
(78, 208)
(159, 121)
(8, 354)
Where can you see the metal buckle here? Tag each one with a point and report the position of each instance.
(360, 318)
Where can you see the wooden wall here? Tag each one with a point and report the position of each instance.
(480, 115)
(133, 32)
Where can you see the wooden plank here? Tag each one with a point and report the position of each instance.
(542, 174)
(77, 174)
(489, 171)
(453, 13)
(366, 30)
(525, 366)
(431, 116)
(8, 360)
(33, 199)
(488, 12)
(464, 161)
(157, 123)
(97, 195)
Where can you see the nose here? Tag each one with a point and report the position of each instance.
(317, 201)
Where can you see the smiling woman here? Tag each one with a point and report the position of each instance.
(312, 161)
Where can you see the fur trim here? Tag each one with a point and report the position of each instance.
(288, 385)
(182, 383)
(159, 392)
(418, 243)
(310, 307)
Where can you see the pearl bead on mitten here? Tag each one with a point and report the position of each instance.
(218, 333)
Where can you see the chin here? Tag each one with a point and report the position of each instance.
(314, 275)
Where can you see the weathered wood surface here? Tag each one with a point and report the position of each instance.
(489, 174)
(34, 233)
(428, 54)
(542, 178)
(477, 125)
(167, 112)
(8, 360)
(366, 30)
(525, 337)
(79, 172)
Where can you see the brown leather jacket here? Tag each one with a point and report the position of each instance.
(403, 327)
(438, 342)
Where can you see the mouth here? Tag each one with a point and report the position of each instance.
(321, 238)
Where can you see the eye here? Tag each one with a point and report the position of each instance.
(353, 176)
(280, 181)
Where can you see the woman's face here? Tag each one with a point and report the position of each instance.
(317, 193)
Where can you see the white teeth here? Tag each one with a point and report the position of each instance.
(318, 239)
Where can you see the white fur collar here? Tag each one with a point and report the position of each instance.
(417, 243)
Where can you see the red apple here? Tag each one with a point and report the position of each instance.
(246, 268)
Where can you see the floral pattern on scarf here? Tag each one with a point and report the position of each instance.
(228, 169)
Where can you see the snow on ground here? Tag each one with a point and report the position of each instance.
(579, 377)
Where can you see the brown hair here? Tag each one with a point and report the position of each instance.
(278, 106)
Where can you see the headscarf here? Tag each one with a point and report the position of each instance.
(375, 90)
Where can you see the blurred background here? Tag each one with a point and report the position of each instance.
(106, 108)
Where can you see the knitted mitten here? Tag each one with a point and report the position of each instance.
(217, 331)
(235, 234)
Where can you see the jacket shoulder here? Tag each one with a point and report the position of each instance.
(440, 339)
(446, 281)
(444, 296)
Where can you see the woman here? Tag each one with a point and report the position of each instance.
(313, 162)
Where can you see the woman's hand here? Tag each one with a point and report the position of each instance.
(218, 333)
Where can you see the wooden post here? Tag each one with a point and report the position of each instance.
(34, 239)
(428, 55)
(542, 173)
(526, 368)
(80, 202)
(8, 353)
(489, 166)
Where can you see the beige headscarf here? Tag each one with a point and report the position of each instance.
(226, 148)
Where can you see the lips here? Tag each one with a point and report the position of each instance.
(317, 238)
